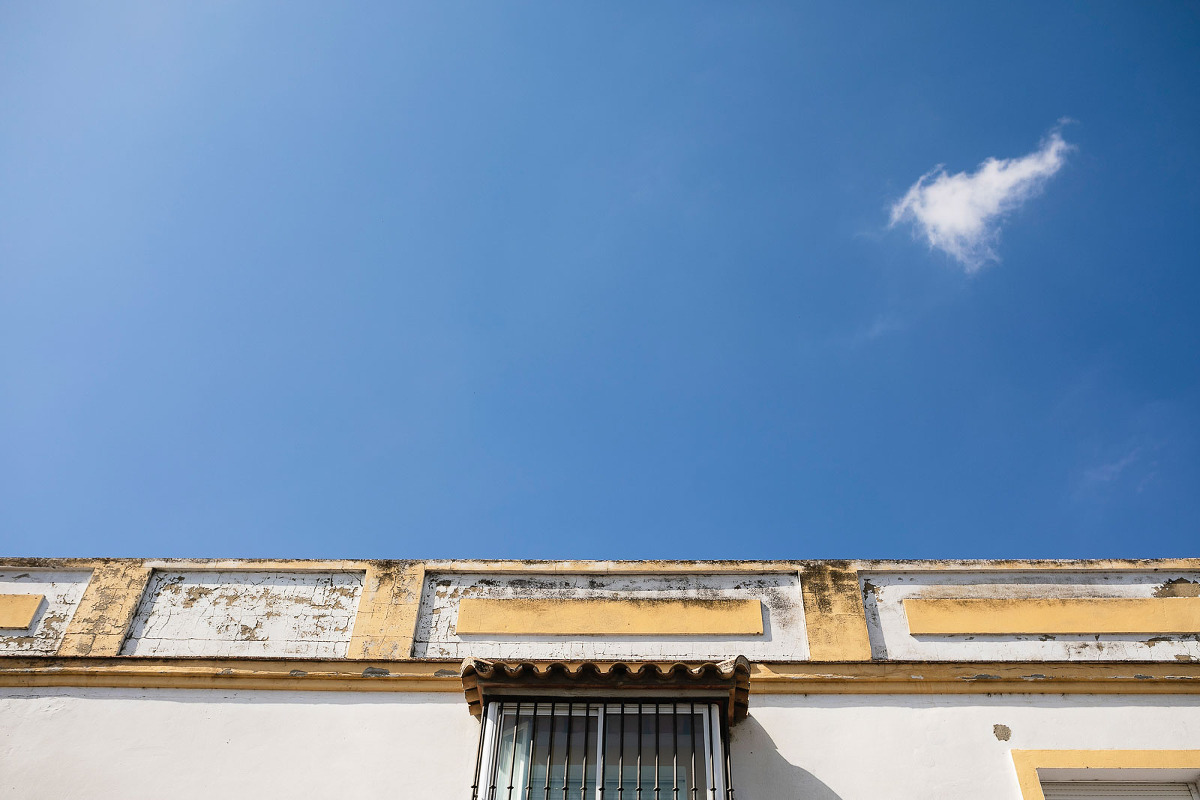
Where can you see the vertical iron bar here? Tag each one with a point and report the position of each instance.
(587, 718)
(657, 737)
(567, 757)
(639, 752)
(728, 758)
(532, 751)
(549, 751)
(675, 751)
(512, 767)
(621, 759)
(692, 728)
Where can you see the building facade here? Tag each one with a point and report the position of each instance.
(498, 680)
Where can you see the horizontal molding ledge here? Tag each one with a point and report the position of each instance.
(897, 677)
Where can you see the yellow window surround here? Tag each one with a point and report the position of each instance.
(1028, 762)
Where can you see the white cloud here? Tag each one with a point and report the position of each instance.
(960, 214)
(1109, 471)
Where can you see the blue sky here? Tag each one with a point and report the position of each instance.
(600, 280)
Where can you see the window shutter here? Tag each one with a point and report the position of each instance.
(1095, 790)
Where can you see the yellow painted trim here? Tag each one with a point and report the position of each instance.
(105, 612)
(1044, 615)
(18, 610)
(443, 675)
(596, 616)
(833, 614)
(1028, 762)
(976, 678)
(385, 624)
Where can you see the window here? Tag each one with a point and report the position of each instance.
(578, 748)
(1096, 790)
(1095, 774)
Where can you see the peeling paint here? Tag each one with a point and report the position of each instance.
(783, 636)
(1178, 587)
(61, 590)
(246, 613)
(891, 637)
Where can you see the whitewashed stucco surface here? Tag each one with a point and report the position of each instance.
(884, 593)
(198, 744)
(784, 636)
(242, 613)
(62, 589)
(945, 747)
(133, 744)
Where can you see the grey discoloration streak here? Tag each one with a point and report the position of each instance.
(1002, 732)
(376, 672)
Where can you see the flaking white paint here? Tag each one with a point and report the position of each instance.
(62, 589)
(245, 613)
(783, 637)
(884, 594)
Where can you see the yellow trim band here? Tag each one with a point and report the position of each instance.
(765, 678)
(1028, 762)
(596, 616)
(1079, 615)
(18, 610)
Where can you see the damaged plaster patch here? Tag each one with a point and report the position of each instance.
(1002, 732)
(246, 613)
(887, 624)
(784, 636)
(62, 591)
(1178, 587)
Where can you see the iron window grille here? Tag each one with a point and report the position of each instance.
(602, 749)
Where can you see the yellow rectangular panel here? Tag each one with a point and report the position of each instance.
(1044, 615)
(18, 610)
(596, 616)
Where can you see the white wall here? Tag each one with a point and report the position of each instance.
(149, 744)
(122, 744)
(912, 747)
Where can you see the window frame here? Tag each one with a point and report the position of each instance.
(1105, 765)
(713, 744)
